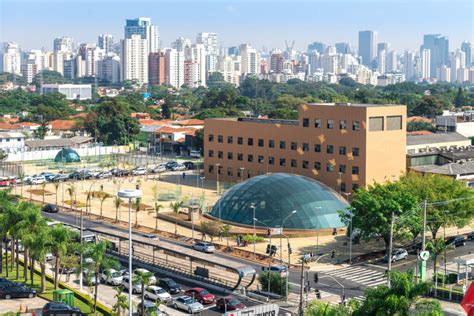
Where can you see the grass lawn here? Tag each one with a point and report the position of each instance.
(48, 294)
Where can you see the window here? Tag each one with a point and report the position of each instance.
(211, 168)
(211, 153)
(376, 124)
(211, 138)
(317, 165)
(355, 151)
(219, 169)
(220, 154)
(342, 168)
(342, 150)
(261, 143)
(306, 122)
(329, 167)
(260, 159)
(271, 143)
(355, 186)
(343, 187)
(18, 139)
(294, 146)
(230, 156)
(220, 138)
(282, 144)
(250, 158)
(355, 170)
(305, 147)
(239, 172)
(271, 160)
(330, 149)
(282, 162)
(240, 156)
(250, 141)
(317, 148)
(229, 172)
(294, 164)
(230, 139)
(342, 124)
(305, 164)
(317, 123)
(330, 124)
(240, 140)
(355, 125)
(394, 122)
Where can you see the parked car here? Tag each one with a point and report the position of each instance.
(150, 236)
(179, 167)
(137, 287)
(229, 303)
(89, 277)
(189, 165)
(157, 169)
(37, 180)
(456, 241)
(157, 293)
(4, 282)
(80, 175)
(204, 247)
(47, 175)
(170, 165)
(150, 309)
(282, 270)
(470, 236)
(201, 295)
(49, 256)
(170, 286)
(50, 208)
(397, 254)
(187, 304)
(16, 291)
(152, 279)
(54, 308)
(104, 175)
(111, 276)
(195, 154)
(120, 172)
(60, 178)
(6, 182)
(140, 171)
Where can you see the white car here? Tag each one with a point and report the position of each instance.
(37, 180)
(160, 169)
(140, 171)
(49, 257)
(137, 287)
(180, 167)
(89, 277)
(152, 278)
(204, 247)
(111, 276)
(397, 254)
(157, 293)
(188, 304)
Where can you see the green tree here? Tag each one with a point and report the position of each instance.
(60, 238)
(429, 106)
(56, 188)
(225, 229)
(143, 278)
(175, 207)
(437, 247)
(277, 283)
(156, 211)
(103, 196)
(137, 205)
(460, 99)
(40, 246)
(121, 302)
(428, 307)
(117, 203)
(420, 126)
(317, 308)
(210, 229)
(3, 155)
(48, 76)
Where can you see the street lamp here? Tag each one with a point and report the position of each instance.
(129, 194)
(347, 194)
(218, 165)
(269, 255)
(242, 173)
(253, 207)
(281, 232)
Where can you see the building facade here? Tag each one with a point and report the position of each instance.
(367, 44)
(156, 69)
(345, 146)
(147, 31)
(134, 59)
(71, 91)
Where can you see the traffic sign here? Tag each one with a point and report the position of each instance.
(424, 255)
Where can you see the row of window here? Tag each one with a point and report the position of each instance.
(318, 123)
(317, 149)
(7, 140)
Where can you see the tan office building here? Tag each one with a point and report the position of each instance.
(343, 145)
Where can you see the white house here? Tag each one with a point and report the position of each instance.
(12, 142)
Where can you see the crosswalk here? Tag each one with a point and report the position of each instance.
(359, 274)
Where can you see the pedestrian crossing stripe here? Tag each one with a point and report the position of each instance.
(360, 275)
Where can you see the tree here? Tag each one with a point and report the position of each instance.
(216, 80)
(317, 308)
(121, 302)
(137, 205)
(156, 211)
(210, 229)
(225, 229)
(372, 210)
(429, 106)
(420, 126)
(60, 238)
(43, 187)
(460, 99)
(71, 190)
(143, 278)
(3, 155)
(117, 203)
(165, 111)
(277, 282)
(428, 307)
(175, 207)
(48, 76)
(40, 246)
(103, 196)
(56, 188)
(436, 247)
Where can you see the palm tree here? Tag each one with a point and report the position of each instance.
(157, 209)
(56, 188)
(104, 196)
(143, 278)
(137, 209)
(40, 246)
(71, 190)
(437, 248)
(60, 238)
(176, 206)
(43, 187)
(117, 203)
(121, 303)
(154, 190)
(5, 203)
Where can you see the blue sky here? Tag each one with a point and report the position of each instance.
(35, 23)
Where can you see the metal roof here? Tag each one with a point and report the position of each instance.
(434, 138)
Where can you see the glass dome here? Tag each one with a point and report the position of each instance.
(67, 155)
(275, 196)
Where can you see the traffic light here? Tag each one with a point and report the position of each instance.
(318, 293)
(268, 249)
(333, 254)
(316, 277)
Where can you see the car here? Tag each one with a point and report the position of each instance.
(150, 309)
(6, 182)
(150, 236)
(104, 175)
(187, 304)
(282, 270)
(49, 256)
(53, 308)
(37, 180)
(119, 172)
(16, 291)
(95, 173)
(470, 236)
(154, 293)
(152, 278)
(50, 208)
(195, 154)
(4, 282)
(111, 276)
(179, 167)
(170, 286)
(47, 175)
(456, 241)
(157, 169)
(189, 165)
(80, 175)
(136, 288)
(229, 303)
(60, 178)
(89, 277)
(170, 165)
(397, 254)
(201, 295)
(140, 171)
(204, 247)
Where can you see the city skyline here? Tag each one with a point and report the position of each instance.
(242, 21)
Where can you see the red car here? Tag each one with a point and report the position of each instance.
(229, 303)
(6, 182)
(201, 295)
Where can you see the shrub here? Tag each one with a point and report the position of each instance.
(250, 238)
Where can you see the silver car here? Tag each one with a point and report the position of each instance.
(204, 247)
(187, 304)
(111, 276)
(397, 254)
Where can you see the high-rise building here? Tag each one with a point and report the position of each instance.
(210, 41)
(156, 69)
(276, 63)
(317, 46)
(134, 59)
(367, 44)
(425, 59)
(458, 60)
(106, 42)
(250, 60)
(409, 65)
(444, 74)
(174, 65)
(381, 61)
(109, 68)
(233, 51)
(29, 70)
(146, 30)
(181, 43)
(90, 55)
(383, 46)
(11, 58)
(391, 61)
(439, 50)
(466, 47)
(343, 48)
(62, 44)
(195, 62)
(230, 67)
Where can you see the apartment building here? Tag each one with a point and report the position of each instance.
(345, 146)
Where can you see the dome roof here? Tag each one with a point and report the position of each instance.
(67, 155)
(275, 196)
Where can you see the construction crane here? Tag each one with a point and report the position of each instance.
(289, 49)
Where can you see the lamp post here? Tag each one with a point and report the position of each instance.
(269, 256)
(253, 207)
(218, 165)
(347, 194)
(281, 232)
(129, 194)
(242, 173)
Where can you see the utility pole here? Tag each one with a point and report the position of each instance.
(390, 250)
(301, 307)
(423, 243)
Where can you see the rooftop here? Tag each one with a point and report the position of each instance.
(354, 104)
(450, 169)
(60, 142)
(434, 138)
(11, 135)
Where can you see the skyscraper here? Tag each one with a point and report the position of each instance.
(367, 44)
(106, 42)
(466, 47)
(134, 59)
(146, 30)
(210, 42)
(343, 48)
(250, 59)
(11, 59)
(409, 65)
(181, 43)
(174, 65)
(439, 51)
(62, 44)
(195, 58)
(425, 69)
(156, 68)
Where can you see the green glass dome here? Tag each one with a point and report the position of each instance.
(275, 196)
(67, 155)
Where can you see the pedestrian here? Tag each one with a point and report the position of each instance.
(184, 175)
(238, 240)
(220, 236)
